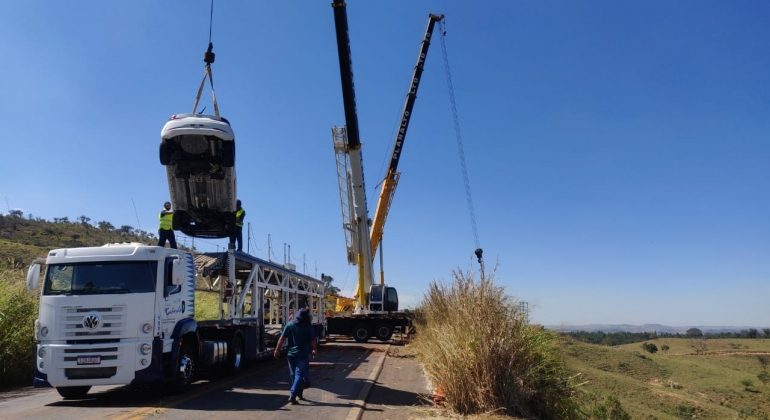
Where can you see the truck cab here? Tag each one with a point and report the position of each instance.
(110, 315)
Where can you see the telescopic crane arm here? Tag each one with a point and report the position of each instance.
(391, 178)
(358, 225)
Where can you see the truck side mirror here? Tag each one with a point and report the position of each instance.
(33, 278)
(177, 273)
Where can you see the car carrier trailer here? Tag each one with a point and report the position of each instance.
(123, 314)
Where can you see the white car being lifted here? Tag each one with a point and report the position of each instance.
(199, 154)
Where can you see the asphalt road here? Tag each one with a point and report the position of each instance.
(343, 376)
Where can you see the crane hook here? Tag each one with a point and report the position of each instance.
(208, 56)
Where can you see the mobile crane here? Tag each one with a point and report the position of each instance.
(375, 304)
(375, 313)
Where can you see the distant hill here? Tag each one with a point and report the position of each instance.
(23, 239)
(611, 328)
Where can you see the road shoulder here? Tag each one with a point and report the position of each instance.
(400, 388)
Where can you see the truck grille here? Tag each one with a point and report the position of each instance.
(103, 322)
(68, 358)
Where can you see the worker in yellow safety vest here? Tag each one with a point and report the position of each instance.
(165, 228)
(240, 214)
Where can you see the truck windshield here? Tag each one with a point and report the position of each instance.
(101, 278)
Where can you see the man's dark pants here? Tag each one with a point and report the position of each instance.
(166, 235)
(238, 237)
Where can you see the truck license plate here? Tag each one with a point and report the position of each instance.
(89, 360)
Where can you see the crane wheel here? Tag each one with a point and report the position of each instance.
(384, 331)
(361, 333)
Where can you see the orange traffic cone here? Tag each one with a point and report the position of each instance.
(438, 396)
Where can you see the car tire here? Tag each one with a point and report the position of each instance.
(179, 221)
(165, 152)
(228, 154)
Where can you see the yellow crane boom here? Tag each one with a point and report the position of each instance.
(391, 179)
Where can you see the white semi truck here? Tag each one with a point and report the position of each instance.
(123, 314)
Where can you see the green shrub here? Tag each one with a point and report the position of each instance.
(18, 311)
(476, 344)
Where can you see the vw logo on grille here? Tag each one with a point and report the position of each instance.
(91, 321)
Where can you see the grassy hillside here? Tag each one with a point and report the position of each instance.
(24, 238)
(677, 384)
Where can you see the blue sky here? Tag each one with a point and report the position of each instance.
(618, 152)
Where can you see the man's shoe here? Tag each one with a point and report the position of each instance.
(293, 401)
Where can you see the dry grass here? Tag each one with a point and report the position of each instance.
(476, 345)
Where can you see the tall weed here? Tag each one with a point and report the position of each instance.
(18, 310)
(476, 344)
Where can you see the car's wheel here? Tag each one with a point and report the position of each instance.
(185, 372)
(179, 221)
(228, 154)
(361, 333)
(73, 392)
(235, 354)
(384, 331)
(165, 152)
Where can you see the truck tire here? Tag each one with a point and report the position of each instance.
(235, 355)
(361, 333)
(384, 331)
(185, 371)
(73, 392)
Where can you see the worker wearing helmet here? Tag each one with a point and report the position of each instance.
(240, 214)
(165, 228)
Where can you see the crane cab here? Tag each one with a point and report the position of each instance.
(383, 299)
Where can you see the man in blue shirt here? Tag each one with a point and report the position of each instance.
(300, 342)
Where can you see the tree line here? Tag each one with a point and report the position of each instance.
(18, 233)
(83, 220)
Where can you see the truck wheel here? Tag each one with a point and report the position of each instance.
(185, 371)
(235, 355)
(384, 331)
(361, 333)
(165, 152)
(73, 392)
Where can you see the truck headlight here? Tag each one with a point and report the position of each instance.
(146, 328)
(41, 352)
(145, 349)
(44, 331)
